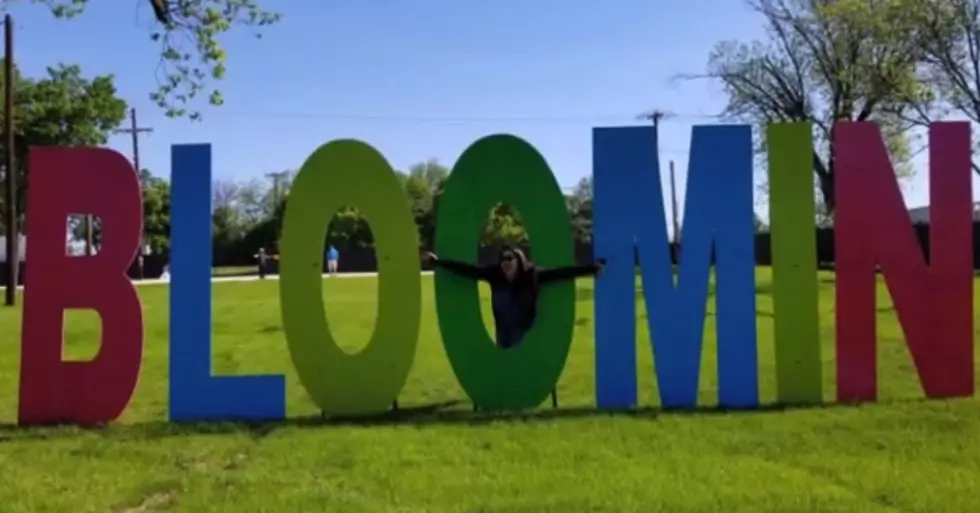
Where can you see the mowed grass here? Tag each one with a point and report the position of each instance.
(902, 454)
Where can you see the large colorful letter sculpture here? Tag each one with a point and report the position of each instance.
(503, 168)
(718, 212)
(934, 303)
(934, 300)
(66, 181)
(337, 174)
(796, 321)
(194, 393)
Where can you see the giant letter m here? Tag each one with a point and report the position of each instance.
(629, 216)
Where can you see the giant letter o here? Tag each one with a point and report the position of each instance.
(339, 173)
(504, 168)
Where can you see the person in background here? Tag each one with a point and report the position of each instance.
(333, 258)
(514, 288)
(262, 260)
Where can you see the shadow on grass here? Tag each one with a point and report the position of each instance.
(433, 414)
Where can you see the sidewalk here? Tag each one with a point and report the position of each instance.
(255, 277)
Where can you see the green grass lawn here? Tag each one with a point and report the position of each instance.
(903, 454)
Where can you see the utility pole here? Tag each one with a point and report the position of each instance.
(10, 196)
(276, 178)
(134, 131)
(673, 205)
(276, 184)
(655, 115)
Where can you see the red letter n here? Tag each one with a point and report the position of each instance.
(66, 181)
(934, 302)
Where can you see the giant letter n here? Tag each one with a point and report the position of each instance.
(934, 302)
(717, 213)
(67, 181)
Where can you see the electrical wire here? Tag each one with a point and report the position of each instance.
(597, 119)
(395, 118)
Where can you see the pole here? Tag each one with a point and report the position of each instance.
(676, 246)
(134, 131)
(276, 198)
(673, 205)
(10, 196)
(136, 138)
(88, 234)
(276, 179)
(655, 116)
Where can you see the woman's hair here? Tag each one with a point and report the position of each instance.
(524, 264)
(525, 267)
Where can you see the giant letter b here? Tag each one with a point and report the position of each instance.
(67, 181)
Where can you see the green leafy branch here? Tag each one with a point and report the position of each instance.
(191, 55)
(191, 52)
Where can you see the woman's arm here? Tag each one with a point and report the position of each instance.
(461, 268)
(569, 273)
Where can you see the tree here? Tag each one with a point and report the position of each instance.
(349, 228)
(224, 194)
(423, 185)
(252, 202)
(246, 216)
(190, 53)
(580, 208)
(504, 226)
(63, 108)
(950, 41)
(156, 211)
(229, 223)
(827, 61)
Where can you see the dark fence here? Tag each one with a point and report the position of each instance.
(359, 259)
(825, 245)
(152, 267)
(20, 273)
(363, 260)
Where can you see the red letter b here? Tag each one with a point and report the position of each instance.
(65, 181)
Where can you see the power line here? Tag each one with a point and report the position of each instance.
(395, 118)
(596, 119)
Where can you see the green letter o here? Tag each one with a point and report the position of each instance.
(504, 168)
(339, 173)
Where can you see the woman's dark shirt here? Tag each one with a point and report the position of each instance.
(514, 302)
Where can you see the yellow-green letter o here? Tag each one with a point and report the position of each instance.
(340, 173)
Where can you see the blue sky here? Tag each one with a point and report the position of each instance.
(417, 79)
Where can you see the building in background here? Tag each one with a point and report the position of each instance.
(21, 248)
(920, 215)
